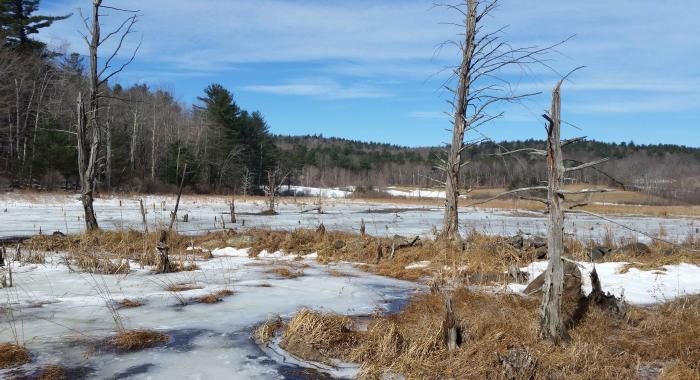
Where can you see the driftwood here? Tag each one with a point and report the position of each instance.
(607, 302)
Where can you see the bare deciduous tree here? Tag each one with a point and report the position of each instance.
(88, 131)
(479, 88)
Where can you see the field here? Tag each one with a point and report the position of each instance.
(241, 294)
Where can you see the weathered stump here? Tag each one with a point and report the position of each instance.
(163, 264)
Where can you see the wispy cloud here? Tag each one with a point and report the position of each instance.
(327, 89)
(427, 115)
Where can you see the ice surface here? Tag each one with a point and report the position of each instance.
(60, 316)
(48, 213)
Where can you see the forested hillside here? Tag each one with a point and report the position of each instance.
(669, 170)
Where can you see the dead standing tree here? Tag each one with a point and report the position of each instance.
(551, 318)
(274, 182)
(552, 321)
(88, 129)
(479, 88)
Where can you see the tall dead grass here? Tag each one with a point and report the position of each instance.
(410, 343)
(317, 336)
(136, 340)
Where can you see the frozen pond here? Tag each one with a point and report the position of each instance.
(26, 215)
(60, 315)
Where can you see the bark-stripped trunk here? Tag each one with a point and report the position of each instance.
(87, 119)
(454, 157)
(108, 152)
(86, 166)
(132, 146)
(551, 318)
(153, 144)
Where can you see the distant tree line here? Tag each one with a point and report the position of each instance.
(667, 170)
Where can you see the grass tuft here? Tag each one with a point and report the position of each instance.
(264, 333)
(12, 355)
(317, 336)
(215, 297)
(286, 272)
(129, 304)
(136, 340)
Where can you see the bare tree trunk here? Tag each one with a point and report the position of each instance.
(86, 166)
(173, 215)
(132, 146)
(454, 157)
(232, 207)
(108, 152)
(272, 189)
(143, 216)
(551, 317)
(153, 144)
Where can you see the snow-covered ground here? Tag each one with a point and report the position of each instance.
(414, 193)
(26, 215)
(305, 191)
(635, 286)
(59, 315)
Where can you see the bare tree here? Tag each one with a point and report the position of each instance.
(479, 87)
(89, 134)
(275, 178)
(551, 319)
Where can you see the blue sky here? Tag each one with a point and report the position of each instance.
(368, 69)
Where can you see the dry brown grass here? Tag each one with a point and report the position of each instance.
(286, 272)
(129, 304)
(107, 251)
(181, 287)
(52, 372)
(12, 355)
(317, 336)
(615, 202)
(410, 343)
(136, 340)
(215, 297)
(264, 333)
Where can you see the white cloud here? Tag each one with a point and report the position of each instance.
(323, 88)
(428, 115)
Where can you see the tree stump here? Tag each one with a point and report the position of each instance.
(163, 264)
(379, 253)
(450, 328)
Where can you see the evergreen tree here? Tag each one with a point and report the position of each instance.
(246, 134)
(18, 23)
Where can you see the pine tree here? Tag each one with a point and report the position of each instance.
(18, 23)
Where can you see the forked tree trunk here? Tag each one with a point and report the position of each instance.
(173, 215)
(454, 157)
(86, 165)
(551, 317)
